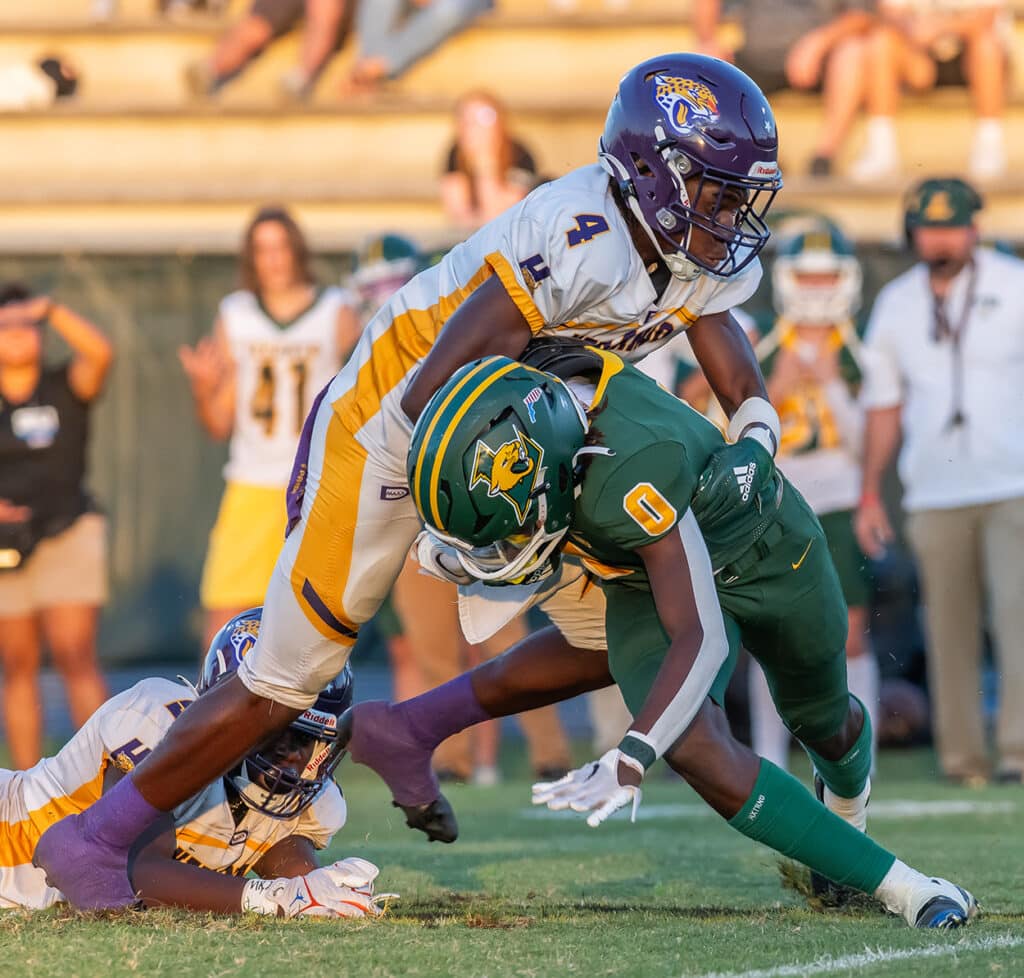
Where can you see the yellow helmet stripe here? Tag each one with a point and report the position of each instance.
(435, 474)
(428, 435)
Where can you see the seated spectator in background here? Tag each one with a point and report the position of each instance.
(36, 85)
(325, 29)
(944, 370)
(394, 34)
(53, 549)
(276, 343)
(811, 365)
(107, 9)
(799, 44)
(487, 170)
(923, 43)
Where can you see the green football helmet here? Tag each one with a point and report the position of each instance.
(491, 468)
(816, 278)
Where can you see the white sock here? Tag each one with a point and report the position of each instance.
(862, 678)
(767, 731)
(900, 891)
(852, 810)
(988, 133)
(881, 136)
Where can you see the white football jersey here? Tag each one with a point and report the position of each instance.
(279, 368)
(566, 258)
(121, 732)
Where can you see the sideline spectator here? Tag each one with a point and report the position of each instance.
(925, 43)
(487, 170)
(276, 343)
(803, 44)
(326, 26)
(812, 369)
(52, 539)
(945, 366)
(395, 34)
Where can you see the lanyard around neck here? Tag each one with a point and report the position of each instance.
(945, 330)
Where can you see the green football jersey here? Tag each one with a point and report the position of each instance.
(656, 448)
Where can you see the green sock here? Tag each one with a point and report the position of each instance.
(847, 776)
(782, 814)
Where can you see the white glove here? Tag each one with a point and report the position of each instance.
(343, 889)
(593, 788)
(438, 559)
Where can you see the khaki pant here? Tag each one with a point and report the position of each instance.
(429, 612)
(971, 558)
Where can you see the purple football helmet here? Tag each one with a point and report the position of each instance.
(263, 780)
(687, 115)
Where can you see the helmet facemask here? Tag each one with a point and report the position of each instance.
(274, 789)
(816, 279)
(669, 215)
(525, 557)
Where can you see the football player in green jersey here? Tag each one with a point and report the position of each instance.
(512, 469)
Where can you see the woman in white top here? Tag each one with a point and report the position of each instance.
(277, 342)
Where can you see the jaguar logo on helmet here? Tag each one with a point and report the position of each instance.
(510, 471)
(686, 102)
(244, 635)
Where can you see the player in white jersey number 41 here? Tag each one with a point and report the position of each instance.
(660, 235)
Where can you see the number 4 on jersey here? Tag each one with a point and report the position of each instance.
(587, 226)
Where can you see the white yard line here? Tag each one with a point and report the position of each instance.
(893, 808)
(869, 958)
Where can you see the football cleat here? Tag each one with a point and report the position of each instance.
(385, 745)
(436, 819)
(943, 906)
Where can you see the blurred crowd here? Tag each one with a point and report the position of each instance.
(857, 57)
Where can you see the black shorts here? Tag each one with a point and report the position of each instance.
(282, 15)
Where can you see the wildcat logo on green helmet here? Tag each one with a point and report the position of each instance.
(491, 467)
(510, 471)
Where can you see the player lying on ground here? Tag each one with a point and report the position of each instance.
(509, 466)
(269, 815)
(662, 235)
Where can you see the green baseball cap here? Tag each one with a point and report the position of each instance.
(942, 202)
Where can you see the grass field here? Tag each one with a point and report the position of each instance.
(677, 894)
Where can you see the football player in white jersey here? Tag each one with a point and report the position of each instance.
(661, 235)
(269, 815)
(276, 343)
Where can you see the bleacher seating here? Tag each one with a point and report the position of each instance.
(132, 164)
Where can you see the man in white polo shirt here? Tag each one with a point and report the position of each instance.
(946, 368)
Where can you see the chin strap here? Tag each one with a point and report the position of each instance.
(678, 264)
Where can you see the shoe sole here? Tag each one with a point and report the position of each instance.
(947, 913)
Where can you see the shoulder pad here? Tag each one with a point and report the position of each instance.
(562, 356)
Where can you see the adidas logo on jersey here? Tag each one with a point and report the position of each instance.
(745, 478)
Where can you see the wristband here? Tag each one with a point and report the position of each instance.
(638, 748)
(868, 499)
(756, 418)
